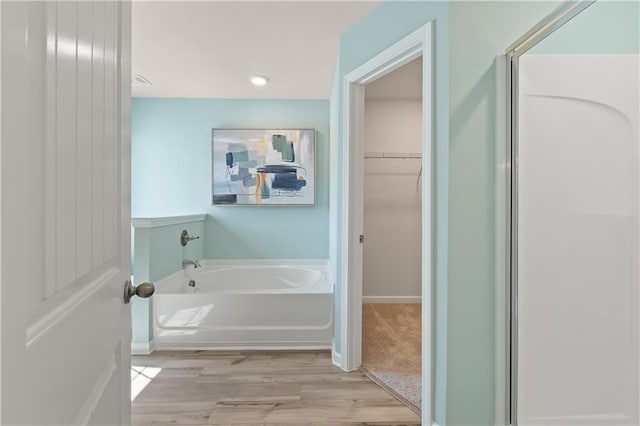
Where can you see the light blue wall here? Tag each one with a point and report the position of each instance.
(142, 331)
(379, 29)
(605, 27)
(171, 174)
(479, 31)
(158, 253)
(468, 37)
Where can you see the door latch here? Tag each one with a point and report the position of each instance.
(361, 239)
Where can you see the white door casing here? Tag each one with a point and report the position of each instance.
(65, 212)
(415, 45)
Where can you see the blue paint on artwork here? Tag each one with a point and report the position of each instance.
(265, 192)
(243, 172)
(225, 198)
(287, 182)
(248, 164)
(284, 147)
(276, 168)
(241, 156)
(249, 181)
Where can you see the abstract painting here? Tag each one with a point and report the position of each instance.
(263, 166)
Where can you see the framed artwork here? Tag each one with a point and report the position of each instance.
(258, 167)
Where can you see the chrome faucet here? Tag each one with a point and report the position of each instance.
(187, 262)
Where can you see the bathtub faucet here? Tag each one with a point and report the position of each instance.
(186, 262)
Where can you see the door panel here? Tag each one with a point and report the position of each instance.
(578, 258)
(65, 212)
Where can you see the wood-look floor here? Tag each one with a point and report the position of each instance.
(267, 388)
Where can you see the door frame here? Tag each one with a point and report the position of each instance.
(1, 281)
(415, 45)
(507, 210)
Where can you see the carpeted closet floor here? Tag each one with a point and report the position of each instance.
(391, 347)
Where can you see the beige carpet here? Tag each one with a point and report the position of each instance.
(391, 347)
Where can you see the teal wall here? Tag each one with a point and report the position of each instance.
(158, 253)
(479, 31)
(605, 27)
(468, 37)
(171, 174)
(383, 26)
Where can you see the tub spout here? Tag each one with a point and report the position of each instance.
(187, 262)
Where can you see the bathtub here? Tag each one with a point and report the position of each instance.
(254, 304)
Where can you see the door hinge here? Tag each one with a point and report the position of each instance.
(361, 239)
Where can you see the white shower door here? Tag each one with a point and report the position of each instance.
(577, 240)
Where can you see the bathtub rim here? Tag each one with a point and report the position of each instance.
(172, 283)
(311, 345)
(208, 342)
(263, 262)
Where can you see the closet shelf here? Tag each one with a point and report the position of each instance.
(415, 155)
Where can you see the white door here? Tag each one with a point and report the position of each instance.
(578, 234)
(65, 212)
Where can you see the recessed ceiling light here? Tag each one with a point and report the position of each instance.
(259, 80)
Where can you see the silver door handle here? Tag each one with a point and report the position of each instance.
(143, 290)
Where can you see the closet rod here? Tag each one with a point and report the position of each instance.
(392, 155)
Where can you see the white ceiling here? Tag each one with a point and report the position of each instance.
(208, 49)
(403, 84)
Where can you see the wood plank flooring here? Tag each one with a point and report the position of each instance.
(265, 388)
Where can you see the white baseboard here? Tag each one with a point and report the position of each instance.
(336, 357)
(241, 346)
(142, 348)
(391, 299)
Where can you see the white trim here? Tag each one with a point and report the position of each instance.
(416, 44)
(391, 299)
(334, 157)
(244, 346)
(336, 357)
(156, 222)
(1, 257)
(351, 254)
(142, 348)
(324, 263)
(404, 51)
(554, 20)
(501, 243)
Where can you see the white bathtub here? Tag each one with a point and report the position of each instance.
(253, 304)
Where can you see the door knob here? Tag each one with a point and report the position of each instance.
(143, 290)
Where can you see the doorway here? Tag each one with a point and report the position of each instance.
(392, 278)
(574, 219)
(415, 45)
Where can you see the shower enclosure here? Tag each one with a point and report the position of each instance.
(574, 219)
